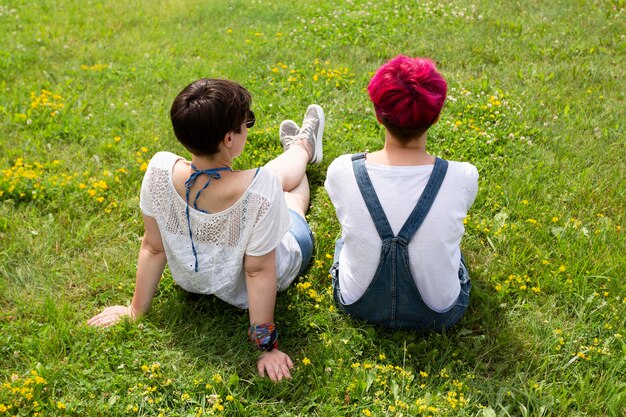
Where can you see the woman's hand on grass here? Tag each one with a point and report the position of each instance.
(275, 364)
(111, 315)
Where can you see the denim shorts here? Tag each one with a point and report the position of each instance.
(301, 231)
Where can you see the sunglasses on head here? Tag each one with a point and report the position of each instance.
(249, 123)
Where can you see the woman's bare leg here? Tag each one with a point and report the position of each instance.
(290, 167)
(298, 198)
(304, 147)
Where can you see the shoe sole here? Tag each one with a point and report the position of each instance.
(318, 152)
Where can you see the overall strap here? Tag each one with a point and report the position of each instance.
(425, 201)
(371, 199)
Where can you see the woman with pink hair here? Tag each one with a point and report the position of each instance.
(398, 262)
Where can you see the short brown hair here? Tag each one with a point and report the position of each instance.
(207, 109)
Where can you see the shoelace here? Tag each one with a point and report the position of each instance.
(307, 127)
(306, 131)
(213, 173)
(299, 139)
(289, 141)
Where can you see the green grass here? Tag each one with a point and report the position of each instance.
(536, 103)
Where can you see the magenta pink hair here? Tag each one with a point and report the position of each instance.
(408, 93)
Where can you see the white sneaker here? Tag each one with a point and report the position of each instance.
(312, 129)
(288, 129)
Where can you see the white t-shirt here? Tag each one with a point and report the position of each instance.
(434, 252)
(255, 225)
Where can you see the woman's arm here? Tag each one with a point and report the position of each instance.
(150, 267)
(262, 287)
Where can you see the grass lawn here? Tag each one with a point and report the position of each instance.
(536, 102)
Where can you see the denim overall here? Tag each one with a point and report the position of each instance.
(392, 299)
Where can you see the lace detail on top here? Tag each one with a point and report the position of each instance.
(255, 225)
(224, 229)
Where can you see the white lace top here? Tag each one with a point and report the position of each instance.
(255, 225)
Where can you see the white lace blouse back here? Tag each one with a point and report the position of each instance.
(255, 225)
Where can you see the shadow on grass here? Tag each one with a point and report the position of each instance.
(204, 329)
(211, 331)
(211, 336)
(483, 340)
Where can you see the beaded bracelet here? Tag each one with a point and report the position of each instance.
(264, 336)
